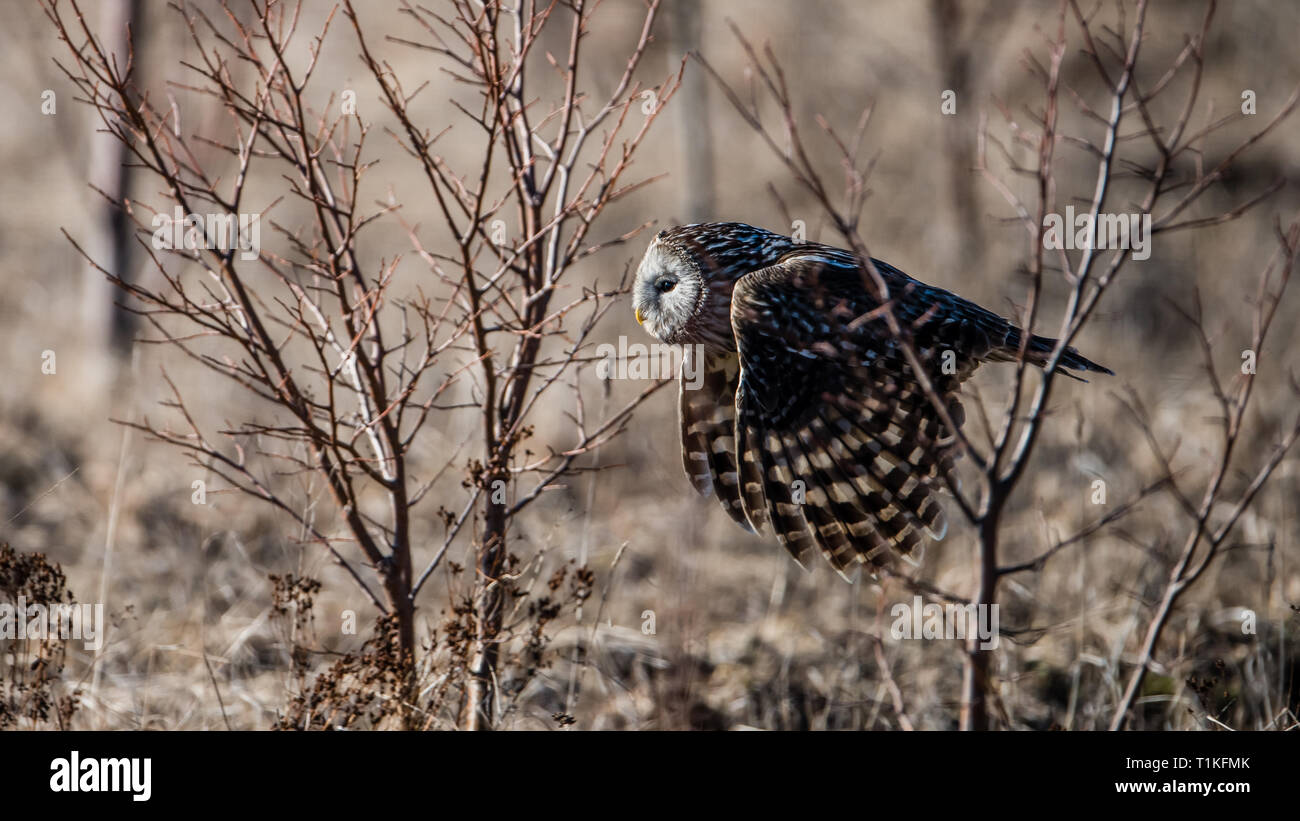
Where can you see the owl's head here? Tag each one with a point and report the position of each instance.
(668, 291)
(682, 293)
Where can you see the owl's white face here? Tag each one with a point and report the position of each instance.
(667, 294)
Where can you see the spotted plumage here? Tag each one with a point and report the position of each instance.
(808, 417)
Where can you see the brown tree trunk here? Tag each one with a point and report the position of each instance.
(975, 684)
(107, 324)
(480, 699)
(697, 199)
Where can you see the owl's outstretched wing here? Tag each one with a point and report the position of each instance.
(837, 443)
(708, 419)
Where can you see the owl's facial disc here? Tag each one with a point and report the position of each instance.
(666, 293)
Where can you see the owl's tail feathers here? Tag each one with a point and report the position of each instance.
(1040, 348)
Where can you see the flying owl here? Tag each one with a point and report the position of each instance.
(807, 415)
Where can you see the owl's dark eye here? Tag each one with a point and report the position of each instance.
(663, 286)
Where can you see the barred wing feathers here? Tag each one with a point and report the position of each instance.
(817, 424)
(708, 422)
(826, 399)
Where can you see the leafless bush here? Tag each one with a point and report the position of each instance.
(350, 356)
(33, 694)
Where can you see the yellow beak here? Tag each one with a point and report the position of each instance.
(640, 320)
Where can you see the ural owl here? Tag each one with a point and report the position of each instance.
(807, 415)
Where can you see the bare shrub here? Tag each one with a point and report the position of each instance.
(348, 356)
(33, 694)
